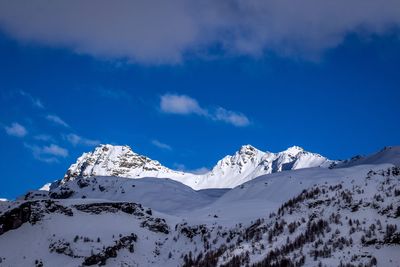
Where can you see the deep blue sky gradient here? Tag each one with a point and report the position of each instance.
(346, 103)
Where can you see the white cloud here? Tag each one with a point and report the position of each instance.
(55, 150)
(57, 120)
(16, 129)
(35, 101)
(234, 118)
(180, 104)
(48, 154)
(75, 140)
(161, 145)
(159, 31)
(185, 105)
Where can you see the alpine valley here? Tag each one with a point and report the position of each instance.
(114, 207)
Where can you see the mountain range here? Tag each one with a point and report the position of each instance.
(292, 208)
(231, 171)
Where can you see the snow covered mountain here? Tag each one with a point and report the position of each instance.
(308, 217)
(249, 163)
(389, 154)
(121, 161)
(231, 171)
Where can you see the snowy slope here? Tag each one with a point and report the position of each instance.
(389, 154)
(300, 216)
(306, 217)
(4, 203)
(163, 195)
(244, 165)
(347, 219)
(266, 193)
(86, 233)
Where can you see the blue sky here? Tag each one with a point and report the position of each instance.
(188, 111)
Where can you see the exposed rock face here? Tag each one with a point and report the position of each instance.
(231, 171)
(147, 221)
(31, 211)
(108, 160)
(111, 251)
(112, 207)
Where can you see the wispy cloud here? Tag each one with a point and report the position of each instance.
(55, 150)
(186, 105)
(48, 154)
(16, 129)
(35, 101)
(161, 145)
(75, 140)
(235, 118)
(43, 137)
(57, 120)
(181, 167)
(201, 170)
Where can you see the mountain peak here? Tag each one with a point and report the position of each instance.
(245, 164)
(107, 147)
(248, 150)
(247, 147)
(114, 160)
(294, 150)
